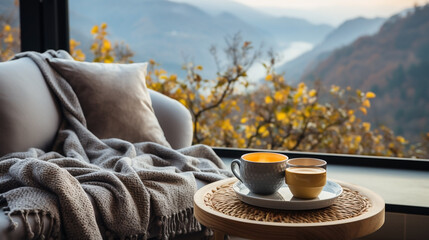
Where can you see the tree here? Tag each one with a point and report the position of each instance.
(228, 111)
(9, 35)
(102, 48)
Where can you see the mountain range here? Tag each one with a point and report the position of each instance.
(394, 64)
(174, 32)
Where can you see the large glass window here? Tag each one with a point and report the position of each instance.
(9, 29)
(331, 76)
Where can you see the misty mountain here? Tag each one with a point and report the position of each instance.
(174, 32)
(394, 63)
(284, 29)
(343, 35)
(165, 31)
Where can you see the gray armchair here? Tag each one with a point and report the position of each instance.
(30, 117)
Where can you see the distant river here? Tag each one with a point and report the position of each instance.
(292, 51)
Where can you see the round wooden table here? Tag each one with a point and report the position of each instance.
(369, 221)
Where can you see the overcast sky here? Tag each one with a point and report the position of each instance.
(331, 11)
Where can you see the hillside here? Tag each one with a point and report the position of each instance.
(394, 64)
(343, 35)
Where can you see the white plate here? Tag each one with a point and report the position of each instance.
(283, 198)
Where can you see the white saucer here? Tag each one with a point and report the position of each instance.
(283, 198)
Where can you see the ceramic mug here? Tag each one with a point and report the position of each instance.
(306, 177)
(261, 172)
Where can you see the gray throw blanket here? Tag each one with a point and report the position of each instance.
(133, 185)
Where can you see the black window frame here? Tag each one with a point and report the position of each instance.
(44, 25)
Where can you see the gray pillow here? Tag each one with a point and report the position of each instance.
(29, 116)
(114, 99)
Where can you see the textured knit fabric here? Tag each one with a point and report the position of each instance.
(131, 184)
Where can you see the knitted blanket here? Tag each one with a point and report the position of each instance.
(132, 185)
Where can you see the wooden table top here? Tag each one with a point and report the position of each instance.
(366, 223)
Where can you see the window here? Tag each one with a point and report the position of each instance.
(329, 84)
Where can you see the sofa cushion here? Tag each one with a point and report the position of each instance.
(114, 99)
(29, 116)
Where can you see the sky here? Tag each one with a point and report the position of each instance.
(331, 12)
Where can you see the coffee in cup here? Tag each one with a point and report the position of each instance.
(306, 177)
(261, 172)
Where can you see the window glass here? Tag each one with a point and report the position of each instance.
(323, 76)
(9, 29)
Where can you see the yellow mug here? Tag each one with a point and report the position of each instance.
(306, 177)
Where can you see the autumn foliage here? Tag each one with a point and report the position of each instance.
(230, 111)
(9, 35)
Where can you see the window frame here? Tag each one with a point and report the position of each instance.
(44, 25)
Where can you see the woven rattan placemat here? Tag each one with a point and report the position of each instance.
(223, 199)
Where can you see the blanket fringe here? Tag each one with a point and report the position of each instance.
(32, 232)
(179, 223)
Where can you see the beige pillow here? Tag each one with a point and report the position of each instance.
(114, 99)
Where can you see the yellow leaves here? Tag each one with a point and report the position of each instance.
(73, 43)
(312, 93)
(358, 139)
(366, 126)
(363, 110)
(77, 54)
(335, 89)
(366, 103)
(269, 77)
(241, 142)
(291, 144)
(6, 28)
(268, 100)
(350, 112)
(109, 59)
(183, 101)
(107, 46)
(173, 77)
(8, 39)
(244, 120)
(301, 85)
(199, 67)
(94, 30)
(370, 95)
(280, 116)
(104, 26)
(401, 140)
(192, 96)
(352, 118)
(263, 131)
(278, 96)
(227, 126)
(297, 96)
